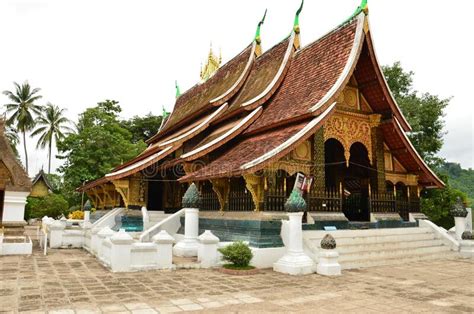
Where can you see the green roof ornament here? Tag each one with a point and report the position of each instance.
(296, 24)
(363, 7)
(178, 93)
(295, 202)
(257, 33)
(164, 113)
(191, 198)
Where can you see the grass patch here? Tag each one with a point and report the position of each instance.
(235, 267)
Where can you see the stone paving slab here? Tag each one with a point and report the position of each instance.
(72, 281)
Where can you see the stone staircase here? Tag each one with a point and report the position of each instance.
(375, 247)
(155, 217)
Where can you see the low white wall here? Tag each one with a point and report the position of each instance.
(265, 257)
(14, 206)
(144, 255)
(73, 238)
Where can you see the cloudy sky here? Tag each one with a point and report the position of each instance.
(82, 52)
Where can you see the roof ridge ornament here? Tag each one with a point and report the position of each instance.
(296, 26)
(178, 93)
(258, 40)
(296, 23)
(363, 7)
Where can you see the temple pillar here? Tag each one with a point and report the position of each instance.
(378, 162)
(318, 170)
(222, 188)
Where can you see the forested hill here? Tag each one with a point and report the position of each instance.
(461, 179)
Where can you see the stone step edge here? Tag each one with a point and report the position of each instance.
(393, 261)
(379, 244)
(319, 234)
(392, 254)
(377, 240)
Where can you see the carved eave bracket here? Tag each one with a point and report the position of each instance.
(221, 187)
(255, 186)
(123, 188)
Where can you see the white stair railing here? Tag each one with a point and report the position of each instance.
(171, 221)
(108, 217)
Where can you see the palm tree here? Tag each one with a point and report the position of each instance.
(22, 108)
(12, 136)
(52, 126)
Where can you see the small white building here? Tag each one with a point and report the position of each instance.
(15, 186)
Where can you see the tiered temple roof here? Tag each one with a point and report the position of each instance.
(258, 107)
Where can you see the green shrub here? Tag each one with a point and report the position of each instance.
(51, 205)
(237, 253)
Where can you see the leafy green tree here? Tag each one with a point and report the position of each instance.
(461, 179)
(142, 128)
(52, 126)
(437, 203)
(22, 106)
(99, 145)
(424, 112)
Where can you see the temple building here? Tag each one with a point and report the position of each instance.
(40, 185)
(252, 126)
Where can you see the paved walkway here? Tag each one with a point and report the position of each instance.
(71, 280)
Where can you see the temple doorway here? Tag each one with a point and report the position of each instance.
(351, 178)
(155, 195)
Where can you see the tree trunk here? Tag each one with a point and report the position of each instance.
(49, 164)
(26, 152)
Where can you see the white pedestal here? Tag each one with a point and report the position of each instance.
(103, 234)
(466, 248)
(207, 254)
(189, 245)
(120, 256)
(295, 261)
(460, 226)
(328, 264)
(164, 243)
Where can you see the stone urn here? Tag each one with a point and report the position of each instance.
(459, 213)
(328, 256)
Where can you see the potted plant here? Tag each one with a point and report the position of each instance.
(238, 255)
(459, 213)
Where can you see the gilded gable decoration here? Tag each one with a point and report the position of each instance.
(349, 128)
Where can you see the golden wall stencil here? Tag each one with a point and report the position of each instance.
(349, 128)
(349, 97)
(302, 151)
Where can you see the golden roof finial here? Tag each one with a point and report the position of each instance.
(212, 65)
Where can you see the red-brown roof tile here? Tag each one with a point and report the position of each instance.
(312, 73)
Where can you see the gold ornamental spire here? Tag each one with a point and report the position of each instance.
(213, 63)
